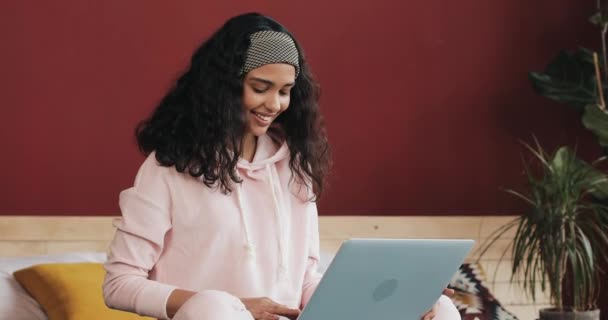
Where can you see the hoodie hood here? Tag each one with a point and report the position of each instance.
(269, 150)
(263, 167)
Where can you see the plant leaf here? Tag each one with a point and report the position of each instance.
(596, 121)
(600, 18)
(569, 79)
(596, 18)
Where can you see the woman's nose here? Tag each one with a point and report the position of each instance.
(273, 104)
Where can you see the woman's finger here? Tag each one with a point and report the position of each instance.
(429, 315)
(268, 316)
(449, 292)
(284, 310)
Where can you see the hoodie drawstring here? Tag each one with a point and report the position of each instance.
(280, 224)
(248, 245)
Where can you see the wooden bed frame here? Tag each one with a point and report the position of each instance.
(39, 235)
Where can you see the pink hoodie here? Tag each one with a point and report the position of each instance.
(261, 240)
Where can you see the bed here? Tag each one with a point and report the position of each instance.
(27, 241)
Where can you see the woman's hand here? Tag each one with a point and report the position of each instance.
(266, 309)
(431, 314)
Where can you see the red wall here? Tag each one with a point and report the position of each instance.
(425, 100)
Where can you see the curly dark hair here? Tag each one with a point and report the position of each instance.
(198, 125)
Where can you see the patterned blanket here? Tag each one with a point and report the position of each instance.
(472, 297)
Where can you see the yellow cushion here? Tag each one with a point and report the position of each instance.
(70, 291)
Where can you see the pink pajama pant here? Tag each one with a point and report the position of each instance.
(218, 305)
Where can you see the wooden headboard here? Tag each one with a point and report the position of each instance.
(37, 235)
(34, 235)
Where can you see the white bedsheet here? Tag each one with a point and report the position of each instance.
(15, 302)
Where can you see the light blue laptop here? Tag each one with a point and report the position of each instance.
(385, 279)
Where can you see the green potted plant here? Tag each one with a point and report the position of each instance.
(578, 80)
(562, 236)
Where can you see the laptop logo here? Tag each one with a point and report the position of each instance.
(385, 289)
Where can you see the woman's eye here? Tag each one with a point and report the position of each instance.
(259, 89)
(284, 93)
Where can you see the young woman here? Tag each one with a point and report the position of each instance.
(221, 221)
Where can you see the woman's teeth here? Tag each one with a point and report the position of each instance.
(263, 118)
